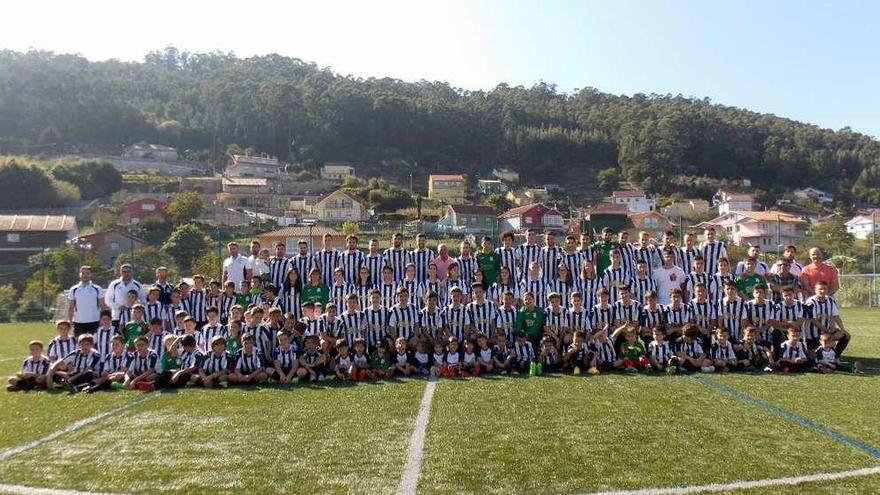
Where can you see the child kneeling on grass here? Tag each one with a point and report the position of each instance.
(469, 366)
(577, 354)
(827, 360)
(548, 360)
(722, 353)
(603, 356)
(140, 368)
(33, 370)
(400, 360)
(312, 362)
(249, 363)
(343, 363)
(751, 356)
(360, 361)
(660, 353)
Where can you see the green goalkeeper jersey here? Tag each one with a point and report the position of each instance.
(633, 350)
(133, 330)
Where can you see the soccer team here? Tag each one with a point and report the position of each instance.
(579, 307)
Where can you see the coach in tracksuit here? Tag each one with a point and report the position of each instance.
(84, 303)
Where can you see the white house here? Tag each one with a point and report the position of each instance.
(727, 201)
(636, 200)
(253, 166)
(813, 193)
(336, 171)
(339, 206)
(769, 230)
(154, 151)
(860, 225)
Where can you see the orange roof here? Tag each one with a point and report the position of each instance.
(301, 231)
(769, 216)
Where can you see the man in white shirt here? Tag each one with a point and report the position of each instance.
(116, 295)
(668, 277)
(84, 303)
(255, 253)
(794, 267)
(236, 267)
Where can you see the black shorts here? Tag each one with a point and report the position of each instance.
(82, 328)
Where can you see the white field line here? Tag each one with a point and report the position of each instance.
(30, 490)
(409, 480)
(7, 453)
(745, 485)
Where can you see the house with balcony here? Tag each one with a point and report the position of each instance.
(22, 236)
(860, 225)
(652, 222)
(528, 196)
(253, 166)
(340, 206)
(769, 230)
(491, 186)
(246, 192)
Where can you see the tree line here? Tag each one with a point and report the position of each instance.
(203, 102)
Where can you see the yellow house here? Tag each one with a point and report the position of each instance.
(450, 189)
(340, 206)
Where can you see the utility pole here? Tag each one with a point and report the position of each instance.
(219, 255)
(873, 257)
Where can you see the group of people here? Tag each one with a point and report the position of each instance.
(578, 307)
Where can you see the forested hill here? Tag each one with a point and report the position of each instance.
(206, 101)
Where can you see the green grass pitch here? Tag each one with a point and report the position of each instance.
(498, 435)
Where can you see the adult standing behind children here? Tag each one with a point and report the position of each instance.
(819, 271)
(84, 303)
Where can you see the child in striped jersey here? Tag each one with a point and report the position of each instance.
(430, 319)
(456, 318)
(331, 330)
(576, 356)
(343, 363)
(827, 360)
(722, 353)
(104, 333)
(603, 356)
(190, 360)
(750, 355)
(454, 281)
(690, 353)
(523, 353)
(825, 318)
(156, 337)
(126, 312)
(421, 360)
(61, 345)
(284, 363)
(77, 369)
(793, 354)
(403, 318)
(33, 370)
(652, 316)
(468, 363)
(400, 359)
(312, 362)
(140, 367)
(112, 369)
(438, 359)
(214, 368)
(249, 363)
(502, 355)
(360, 360)
(505, 318)
(555, 325)
(660, 354)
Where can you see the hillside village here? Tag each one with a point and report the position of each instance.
(258, 195)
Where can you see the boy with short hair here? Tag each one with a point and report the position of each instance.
(660, 354)
(61, 345)
(112, 367)
(690, 352)
(577, 353)
(722, 354)
(249, 363)
(750, 355)
(214, 367)
(33, 370)
(285, 361)
(141, 366)
(312, 361)
(77, 368)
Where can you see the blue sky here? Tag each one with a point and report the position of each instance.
(817, 62)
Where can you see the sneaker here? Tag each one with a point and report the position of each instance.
(320, 377)
(503, 372)
(593, 370)
(72, 388)
(708, 369)
(88, 390)
(768, 369)
(514, 372)
(576, 371)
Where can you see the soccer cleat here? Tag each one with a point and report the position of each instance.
(576, 371)
(593, 370)
(88, 390)
(223, 384)
(514, 372)
(320, 377)
(708, 369)
(768, 369)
